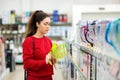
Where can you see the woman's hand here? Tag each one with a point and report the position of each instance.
(53, 60)
(48, 58)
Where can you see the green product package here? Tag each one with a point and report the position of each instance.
(58, 51)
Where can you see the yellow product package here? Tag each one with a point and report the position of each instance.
(58, 50)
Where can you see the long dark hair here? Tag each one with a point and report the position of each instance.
(31, 27)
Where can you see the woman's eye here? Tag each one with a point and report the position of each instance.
(46, 23)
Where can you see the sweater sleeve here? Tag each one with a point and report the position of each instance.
(28, 61)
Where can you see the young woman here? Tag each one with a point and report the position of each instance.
(36, 47)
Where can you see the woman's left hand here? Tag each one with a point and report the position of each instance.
(53, 60)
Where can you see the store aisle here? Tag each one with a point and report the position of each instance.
(18, 74)
(58, 73)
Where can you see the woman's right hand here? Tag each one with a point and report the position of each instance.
(48, 58)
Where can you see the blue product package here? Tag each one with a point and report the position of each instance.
(112, 33)
(55, 16)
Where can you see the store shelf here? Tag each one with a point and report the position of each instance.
(78, 68)
(99, 54)
(56, 37)
(101, 59)
(96, 52)
(16, 33)
(12, 24)
(112, 56)
(87, 49)
(52, 24)
(61, 24)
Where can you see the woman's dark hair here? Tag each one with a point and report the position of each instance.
(31, 27)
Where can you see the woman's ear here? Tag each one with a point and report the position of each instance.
(37, 24)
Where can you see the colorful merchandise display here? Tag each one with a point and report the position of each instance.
(112, 35)
(94, 41)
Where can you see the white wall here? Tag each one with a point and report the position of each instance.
(97, 1)
(10, 5)
(64, 6)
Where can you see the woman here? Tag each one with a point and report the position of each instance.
(36, 47)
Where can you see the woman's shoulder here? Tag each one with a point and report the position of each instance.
(27, 40)
(47, 38)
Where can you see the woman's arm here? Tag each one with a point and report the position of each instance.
(28, 60)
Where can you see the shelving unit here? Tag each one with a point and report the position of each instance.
(67, 24)
(97, 12)
(59, 30)
(93, 62)
(78, 56)
(52, 24)
(77, 68)
(3, 70)
(13, 36)
(94, 12)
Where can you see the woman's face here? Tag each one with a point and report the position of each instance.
(44, 25)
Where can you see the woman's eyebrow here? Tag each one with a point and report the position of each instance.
(47, 22)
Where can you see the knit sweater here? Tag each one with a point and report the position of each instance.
(34, 53)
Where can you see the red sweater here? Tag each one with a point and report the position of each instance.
(34, 53)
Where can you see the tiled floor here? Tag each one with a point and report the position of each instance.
(18, 74)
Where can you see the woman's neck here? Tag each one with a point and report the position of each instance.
(38, 35)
